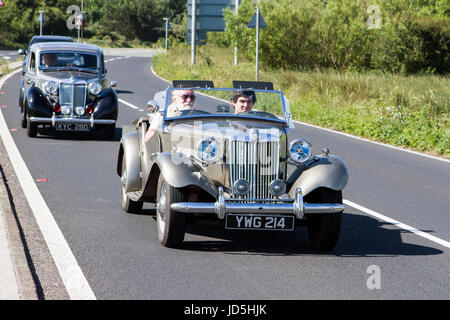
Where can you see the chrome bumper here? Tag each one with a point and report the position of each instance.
(54, 120)
(222, 206)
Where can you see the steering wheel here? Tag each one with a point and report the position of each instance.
(258, 113)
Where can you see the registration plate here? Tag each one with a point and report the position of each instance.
(259, 222)
(72, 127)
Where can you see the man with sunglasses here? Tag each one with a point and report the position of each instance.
(182, 100)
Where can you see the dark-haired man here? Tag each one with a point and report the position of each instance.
(243, 101)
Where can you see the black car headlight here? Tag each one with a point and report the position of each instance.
(300, 150)
(51, 87)
(94, 88)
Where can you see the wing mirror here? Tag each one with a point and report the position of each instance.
(152, 106)
(21, 52)
(113, 83)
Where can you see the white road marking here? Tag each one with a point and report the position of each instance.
(374, 142)
(76, 284)
(129, 104)
(121, 100)
(397, 223)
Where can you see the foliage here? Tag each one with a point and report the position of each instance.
(408, 35)
(135, 20)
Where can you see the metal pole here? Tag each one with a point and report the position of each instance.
(41, 13)
(194, 14)
(82, 16)
(236, 4)
(257, 42)
(167, 32)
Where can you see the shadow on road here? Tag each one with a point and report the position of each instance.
(361, 236)
(124, 92)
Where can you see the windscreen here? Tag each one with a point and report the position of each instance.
(238, 103)
(67, 59)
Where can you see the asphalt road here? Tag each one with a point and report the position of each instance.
(121, 258)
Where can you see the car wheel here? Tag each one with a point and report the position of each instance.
(109, 131)
(23, 117)
(31, 127)
(324, 229)
(23, 111)
(170, 224)
(128, 205)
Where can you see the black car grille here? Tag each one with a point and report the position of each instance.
(72, 95)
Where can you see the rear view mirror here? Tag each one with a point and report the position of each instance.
(223, 108)
(21, 52)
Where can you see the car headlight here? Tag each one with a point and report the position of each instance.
(79, 111)
(208, 150)
(65, 109)
(51, 87)
(241, 187)
(277, 187)
(300, 150)
(94, 88)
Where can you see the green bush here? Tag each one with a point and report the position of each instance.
(409, 36)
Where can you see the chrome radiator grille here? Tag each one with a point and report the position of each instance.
(73, 95)
(258, 163)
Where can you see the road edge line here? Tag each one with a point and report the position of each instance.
(76, 284)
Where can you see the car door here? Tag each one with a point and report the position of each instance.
(29, 78)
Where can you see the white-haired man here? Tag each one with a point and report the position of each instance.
(182, 100)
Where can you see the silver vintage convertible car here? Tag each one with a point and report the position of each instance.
(212, 159)
(64, 87)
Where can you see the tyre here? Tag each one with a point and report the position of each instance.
(170, 224)
(324, 229)
(128, 205)
(23, 111)
(31, 127)
(23, 117)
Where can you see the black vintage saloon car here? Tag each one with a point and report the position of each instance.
(64, 87)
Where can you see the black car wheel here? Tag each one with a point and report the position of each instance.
(170, 224)
(324, 229)
(128, 205)
(31, 127)
(23, 117)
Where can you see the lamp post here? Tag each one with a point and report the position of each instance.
(41, 20)
(194, 14)
(167, 32)
(235, 48)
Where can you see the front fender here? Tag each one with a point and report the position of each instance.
(107, 107)
(182, 174)
(129, 148)
(37, 103)
(329, 172)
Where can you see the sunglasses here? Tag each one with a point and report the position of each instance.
(185, 96)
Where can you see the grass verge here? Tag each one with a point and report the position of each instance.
(405, 111)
